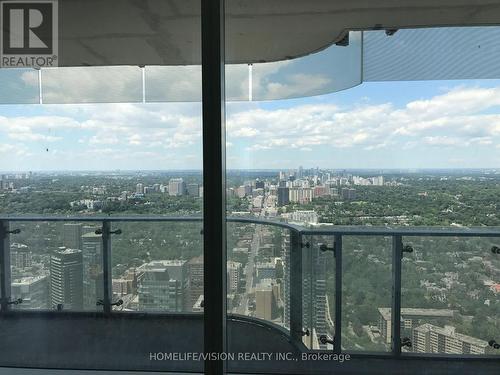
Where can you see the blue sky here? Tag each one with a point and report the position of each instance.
(425, 124)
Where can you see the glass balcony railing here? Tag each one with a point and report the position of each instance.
(331, 289)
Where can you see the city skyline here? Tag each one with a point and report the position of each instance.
(158, 266)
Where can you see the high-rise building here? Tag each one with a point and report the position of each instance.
(244, 190)
(20, 255)
(266, 271)
(378, 181)
(241, 192)
(139, 188)
(300, 195)
(195, 282)
(92, 268)
(259, 184)
(429, 338)
(304, 216)
(314, 295)
(257, 202)
(300, 172)
(72, 235)
(257, 192)
(348, 194)
(126, 283)
(161, 285)
(410, 319)
(233, 276)
(285, 255)
(320, 191)
(266, 300)
(306, 195)
(193, 190)
(33, 290)
(294, 194)
(66, 279)
(283, 196)
(176, 187)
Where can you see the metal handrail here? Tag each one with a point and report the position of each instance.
(355, 230)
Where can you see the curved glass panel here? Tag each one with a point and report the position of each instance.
(181, 83)
(332, 69)
(431, 54)
(173, 83)
(238, 82)
(117, 84)
(19, 86)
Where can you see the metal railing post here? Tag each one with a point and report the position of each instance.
(337, 343)
(295, 285)
(312, 286)
(5, 281)
(397, 251)
(106, 266)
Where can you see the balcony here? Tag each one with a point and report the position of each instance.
(118, 96)
(99, 308)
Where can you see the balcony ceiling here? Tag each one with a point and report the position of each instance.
(167, 32)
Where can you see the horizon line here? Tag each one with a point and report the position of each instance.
(408, 169)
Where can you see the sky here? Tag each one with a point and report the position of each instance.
(427, 124)
(373, 125)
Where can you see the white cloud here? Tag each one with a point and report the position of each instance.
(18, 150)
(294, 85)
(32, 137)
(37, 128)
(442, 141)
(165, 133)
(95, 140)
(455, 118)
(96, 136)
(92, 85)
(245, 132)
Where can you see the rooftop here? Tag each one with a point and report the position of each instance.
(67, 251)
(409, 311)
(26, 280)
(449, 331)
